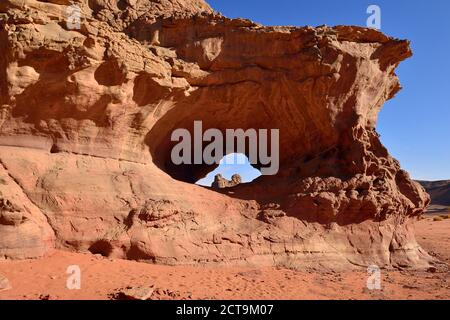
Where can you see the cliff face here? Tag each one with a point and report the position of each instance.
(439, 191)
(86, 117)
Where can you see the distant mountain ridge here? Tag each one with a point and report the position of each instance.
(438, 190)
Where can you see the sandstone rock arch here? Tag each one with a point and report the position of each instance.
(86, 116)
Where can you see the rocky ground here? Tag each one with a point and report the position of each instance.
(104, 278)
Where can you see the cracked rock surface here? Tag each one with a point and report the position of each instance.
(86, 117)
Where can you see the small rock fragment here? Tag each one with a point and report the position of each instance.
(137, 293)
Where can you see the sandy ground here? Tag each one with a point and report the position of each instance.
(101, 278)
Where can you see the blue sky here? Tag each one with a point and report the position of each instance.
(415, 125)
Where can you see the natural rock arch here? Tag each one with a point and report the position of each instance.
(84, 157)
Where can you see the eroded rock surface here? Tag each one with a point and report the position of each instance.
(86, 117)
(222, 183)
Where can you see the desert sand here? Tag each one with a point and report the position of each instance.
(102, 277)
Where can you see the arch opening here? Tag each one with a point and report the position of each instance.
(233, 169)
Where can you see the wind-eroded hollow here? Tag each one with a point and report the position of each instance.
(225, 108)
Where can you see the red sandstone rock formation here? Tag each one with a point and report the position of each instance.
(222, 183)
(86, 117)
